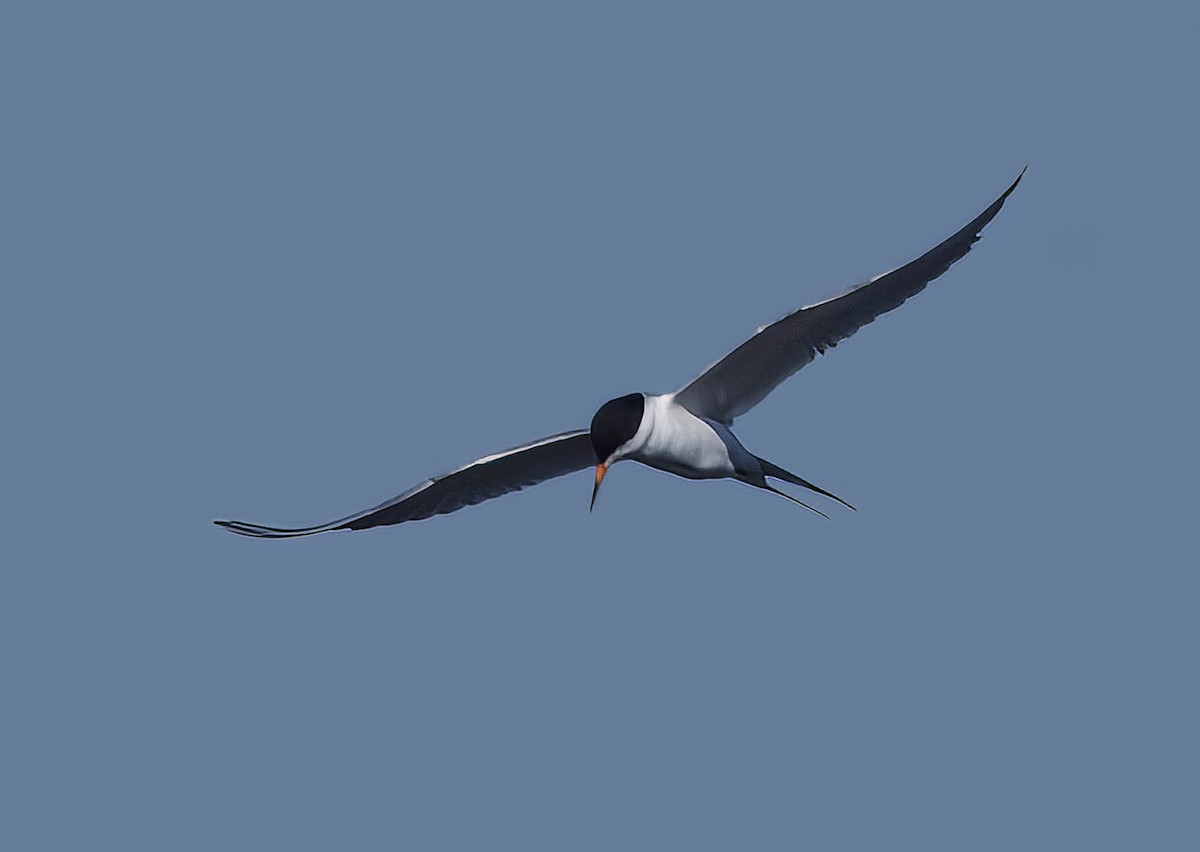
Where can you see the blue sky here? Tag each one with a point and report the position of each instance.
(280, 262)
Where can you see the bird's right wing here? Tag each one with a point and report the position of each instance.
(482, 479)
(740, 380)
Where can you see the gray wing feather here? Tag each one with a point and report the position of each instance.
(741, 379)
(482, 479)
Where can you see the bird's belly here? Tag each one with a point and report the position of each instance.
(686, 447)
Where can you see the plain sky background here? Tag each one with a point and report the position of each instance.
(280, 262)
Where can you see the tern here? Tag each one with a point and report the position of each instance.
(687, 432)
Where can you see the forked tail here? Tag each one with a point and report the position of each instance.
(776, 472)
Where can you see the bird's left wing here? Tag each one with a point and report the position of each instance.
(740, 380)
(482, 479)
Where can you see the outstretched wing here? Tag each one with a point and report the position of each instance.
(482, 479)
(741, 379)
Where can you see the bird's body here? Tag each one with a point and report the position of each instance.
(672, 439)
(687, 432)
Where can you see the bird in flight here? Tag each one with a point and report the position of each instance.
(687, 432)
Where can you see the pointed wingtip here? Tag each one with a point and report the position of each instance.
(1008, 191)
(237, 527)
(253, 530)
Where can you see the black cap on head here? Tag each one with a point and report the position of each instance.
(615, 423)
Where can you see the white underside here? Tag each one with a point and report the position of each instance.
(673, 439)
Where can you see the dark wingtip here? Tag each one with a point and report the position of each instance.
(1008, 191)
(239, 528)
(259, 531)
(974, 229)
(253, 530)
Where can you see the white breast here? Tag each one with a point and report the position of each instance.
(673, 439)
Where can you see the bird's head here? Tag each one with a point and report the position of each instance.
(614, 426)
